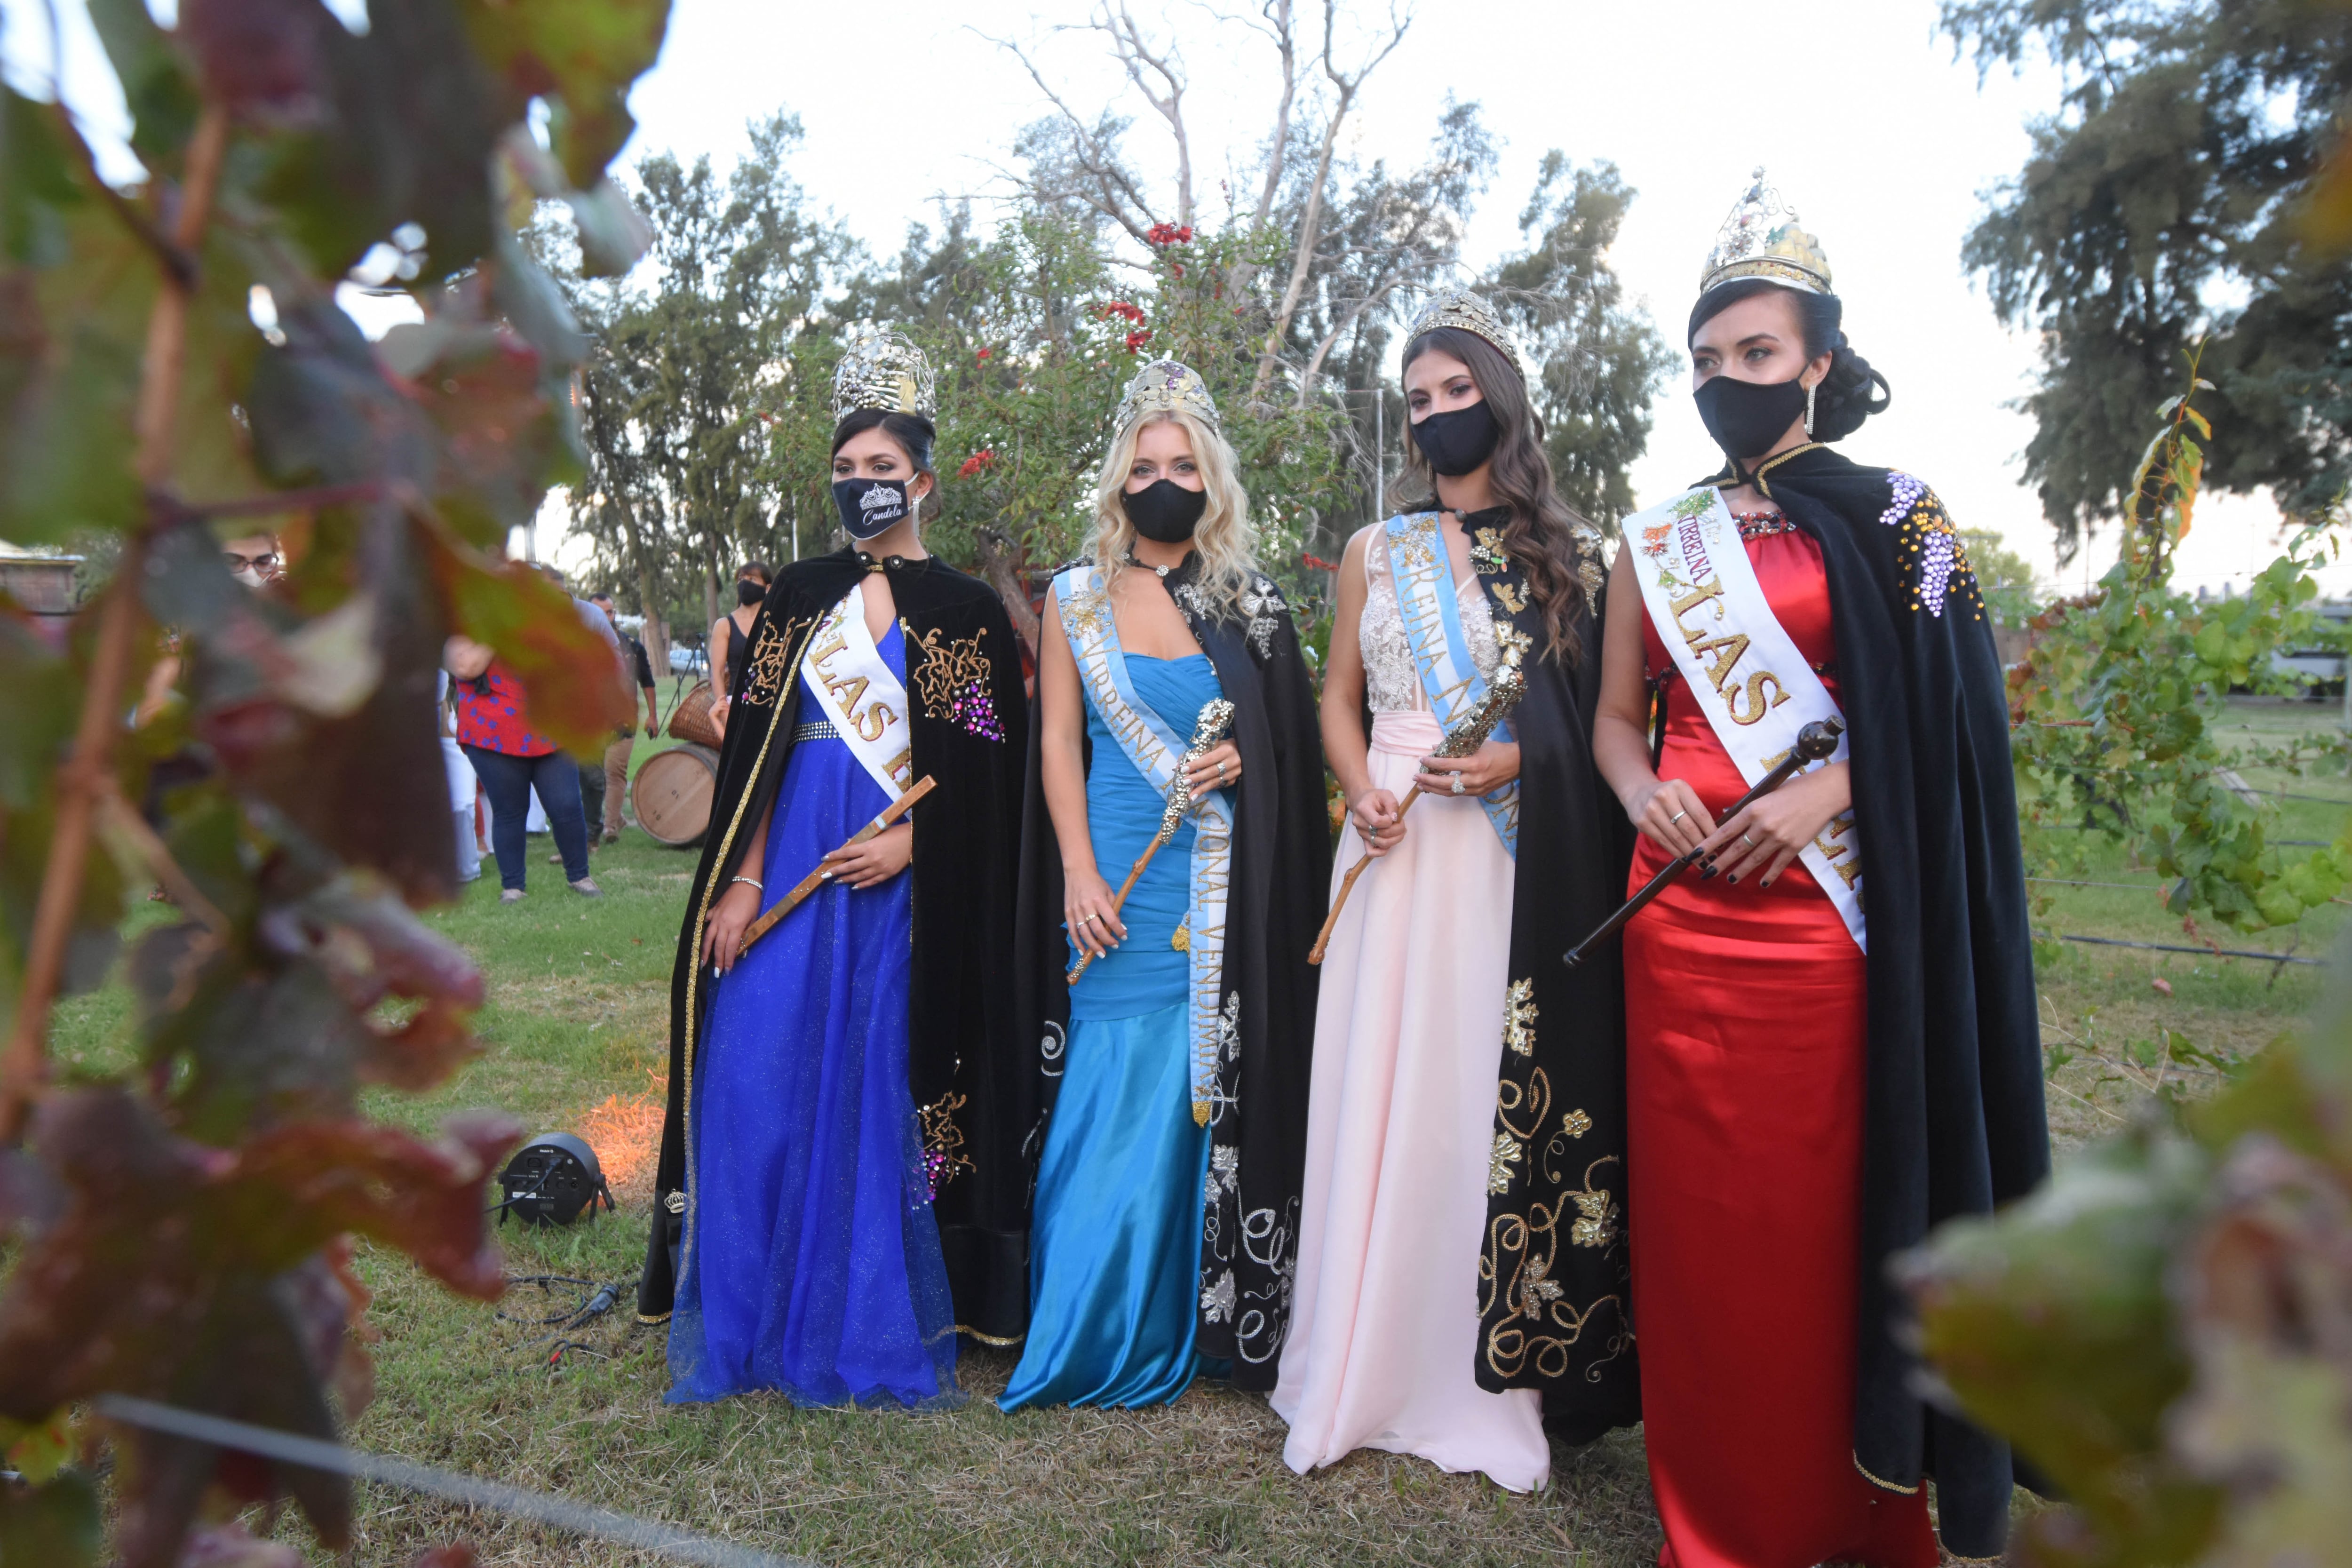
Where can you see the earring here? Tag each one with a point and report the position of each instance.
(1809, 407)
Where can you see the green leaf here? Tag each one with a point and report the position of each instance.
(162, 100)
(52, 1526)
(585, 53)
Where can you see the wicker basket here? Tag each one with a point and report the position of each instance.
(691, 722)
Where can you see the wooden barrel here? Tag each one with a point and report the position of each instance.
(672, 794)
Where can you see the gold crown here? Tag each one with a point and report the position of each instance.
(1165, 386)
(1461, 308)
(884, 369)
(1762, 240)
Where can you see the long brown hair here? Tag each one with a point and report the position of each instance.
(1540, 535)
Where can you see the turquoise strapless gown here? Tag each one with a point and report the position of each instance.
(1115, 1249)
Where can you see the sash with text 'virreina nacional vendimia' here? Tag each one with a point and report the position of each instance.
(1155, 747)
(1440, 654)
(852, 686)
(1741, 665)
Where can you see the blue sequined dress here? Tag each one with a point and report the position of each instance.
(812, 1261)
(1115, 1250)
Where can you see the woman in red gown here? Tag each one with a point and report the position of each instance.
(1770, 1095)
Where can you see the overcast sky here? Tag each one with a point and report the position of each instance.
(1879, 137)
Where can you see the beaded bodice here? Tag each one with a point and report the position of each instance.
(1390, 683)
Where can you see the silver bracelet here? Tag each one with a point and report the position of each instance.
(753, 882)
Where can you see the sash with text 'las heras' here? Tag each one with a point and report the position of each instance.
(853, 686)
(1155, 747)
(1742, 668)
(1441, 655)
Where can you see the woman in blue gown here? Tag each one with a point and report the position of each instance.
(814, 1253)
(1159, 1231)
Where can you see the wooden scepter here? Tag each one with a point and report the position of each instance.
(815, 879)
(1503, 694)
(1216, 718)
(1815, 742)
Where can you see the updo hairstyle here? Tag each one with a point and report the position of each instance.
(1851, 392)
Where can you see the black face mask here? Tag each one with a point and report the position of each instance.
(750, 592)
(1164, 512)
(869, 507)
(1747, 418)
(1457, 441)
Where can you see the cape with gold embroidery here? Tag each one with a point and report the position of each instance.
(970, 1068)
(1265, 989)
(1954, 1122)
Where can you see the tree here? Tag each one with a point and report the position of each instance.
(2004, 578)
(1596, 362)
(2161, 204)
(172, 361)
(684, 358)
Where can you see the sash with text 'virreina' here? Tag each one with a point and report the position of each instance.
(1441, 655)
(1155, 747)
(852, 685)
(1741, 665)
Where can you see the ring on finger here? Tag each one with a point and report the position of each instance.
(1676, 818)
(1457, 783)
(1749, 842)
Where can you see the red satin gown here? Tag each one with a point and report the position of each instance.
(1744, 1091)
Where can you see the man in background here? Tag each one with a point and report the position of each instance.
(616, 755)
(592, 770)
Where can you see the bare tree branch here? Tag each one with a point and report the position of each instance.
(1345, 85)
(1136, 54)
(1115, 195)
(1275, 24)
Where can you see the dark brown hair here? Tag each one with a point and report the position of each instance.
(1851, 392)
(1540, 535)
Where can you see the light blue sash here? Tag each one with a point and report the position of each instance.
(1155, 747)
(1433, 635)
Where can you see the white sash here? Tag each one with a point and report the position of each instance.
(1743, 671)
(1440, 654)
(853, 687)
(1155, 747)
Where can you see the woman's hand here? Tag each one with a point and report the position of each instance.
(719, 706)
(1204, 776)
(1774, 830)
(1487, 768)
(1378, 821)
(730, 916)
(874, 862)
(1669, 815)
(1087, 910)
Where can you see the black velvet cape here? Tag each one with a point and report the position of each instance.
(971, 1074)
(1955, 1123)
(1281, 875)
(1555, 1277)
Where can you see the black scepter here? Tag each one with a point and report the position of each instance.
(1814, 742)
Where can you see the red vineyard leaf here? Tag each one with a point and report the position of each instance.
(571, 674)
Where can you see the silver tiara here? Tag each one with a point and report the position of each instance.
(1165, 386)
(883, 369)
(1460, 309)
(1762, 240)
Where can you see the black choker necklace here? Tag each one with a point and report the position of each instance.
(1163, 571)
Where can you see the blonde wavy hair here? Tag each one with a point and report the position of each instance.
(1225, 538)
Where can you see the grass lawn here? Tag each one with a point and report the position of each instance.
(574, 1033)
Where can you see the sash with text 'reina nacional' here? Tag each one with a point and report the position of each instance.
(1155, 747)
(853, 687)
(1441, 655)
(1743, 670)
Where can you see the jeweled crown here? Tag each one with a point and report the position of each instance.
(1461, 308)
(1762, 240)
(1165, 386)
(883, 369)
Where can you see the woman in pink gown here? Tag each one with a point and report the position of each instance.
(1425, 1320)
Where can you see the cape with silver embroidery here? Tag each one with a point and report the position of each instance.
(970, 1068)
(1281, 865)
(1554, 1290)
(1954, 1121)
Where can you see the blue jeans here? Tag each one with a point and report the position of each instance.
(509, 781)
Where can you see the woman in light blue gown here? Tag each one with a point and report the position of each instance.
(1161, 1226)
